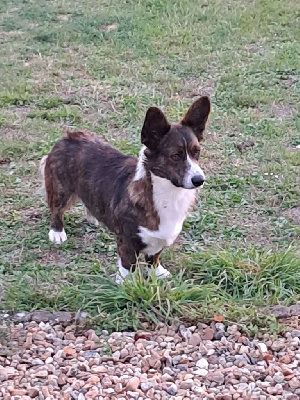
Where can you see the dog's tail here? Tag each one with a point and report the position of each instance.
(42, 190)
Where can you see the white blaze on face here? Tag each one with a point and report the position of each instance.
(192, 171)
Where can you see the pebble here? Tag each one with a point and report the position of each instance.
(202, 363)
(195, 339)
(172, 390)
(145, 386)
(295, 333)
(133, 384)
(200, 372)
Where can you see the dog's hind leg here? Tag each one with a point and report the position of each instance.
(60, 199)
(60, 204)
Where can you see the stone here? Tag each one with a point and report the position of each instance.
(278, 345)
(98, 369)
(61, 380)
(295, 333)
(90, 354)
(262, 347)
(208, 334)
(232, 329)
(219, 335)
(202, 363)
(294, 383)
(186, 384)
(93, 379)
(18, 392)
(106, 382)
(33, 392)
(195, 339)
(69, 351)
(169, 339)
(41, 374)
(92, 393)
(133, 384)
(45, 391)
(116, 355)
(133, 395)
(119, 387)
(184, 332)
(200, 372)
(286, 359)
(216, 376)
(278, 377)
(172, 389)
(167, 378)
(145, 386)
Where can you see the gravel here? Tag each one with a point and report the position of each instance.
(55, 359)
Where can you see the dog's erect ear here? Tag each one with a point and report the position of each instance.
(197, 116)
(154, 128)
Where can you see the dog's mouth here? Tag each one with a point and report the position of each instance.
(194, 184)
(176, 183)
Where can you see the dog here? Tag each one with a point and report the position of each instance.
(143, 201)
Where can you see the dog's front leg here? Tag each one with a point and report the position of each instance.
(127, 256)
(160, 271)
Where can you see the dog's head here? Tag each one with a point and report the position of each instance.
(173, 150)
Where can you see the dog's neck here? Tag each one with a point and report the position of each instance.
(151, 192)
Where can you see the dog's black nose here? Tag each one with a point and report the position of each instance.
(197, 180)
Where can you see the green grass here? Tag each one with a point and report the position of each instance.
(99, 67)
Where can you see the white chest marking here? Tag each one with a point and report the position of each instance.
(172, 205)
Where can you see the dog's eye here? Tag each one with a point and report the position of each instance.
(175, 157)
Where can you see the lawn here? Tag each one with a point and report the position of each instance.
(99, 66)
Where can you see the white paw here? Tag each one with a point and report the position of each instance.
(162, 272)
(123, 272)
(57, 237)
(119, 279)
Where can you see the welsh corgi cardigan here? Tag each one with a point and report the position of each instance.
(143, 200)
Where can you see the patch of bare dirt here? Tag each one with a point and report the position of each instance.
(253, 48)
(32, 215)
(198, 87)
(11, 133)
(63, 17)
(257, 229)
(54, 256)
(282, 111)
(108, 28)
(294, 215)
